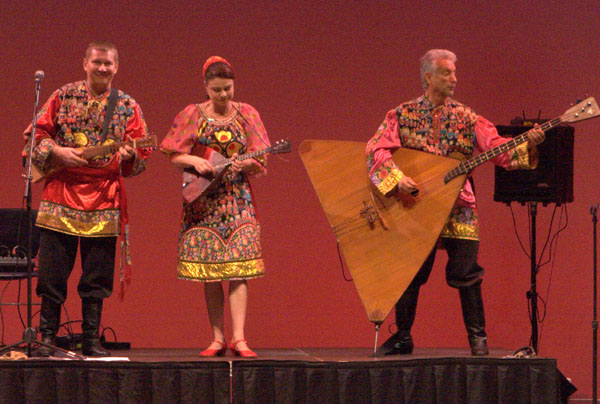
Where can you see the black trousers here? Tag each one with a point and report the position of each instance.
(462, 269)
(56, 259)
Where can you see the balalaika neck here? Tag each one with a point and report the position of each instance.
(103, 150)
(244, 156)
(466, 166)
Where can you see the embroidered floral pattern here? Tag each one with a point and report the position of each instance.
(463, 223)
(442, 130)
(79, 215)
(81, 119)
(449, 129)
(220, 227)
(77, 222)
(85, 200)
(206, 245)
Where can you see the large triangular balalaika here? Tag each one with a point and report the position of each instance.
(386, 240)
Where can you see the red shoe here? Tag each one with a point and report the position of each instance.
(211, 352)
(244, 354)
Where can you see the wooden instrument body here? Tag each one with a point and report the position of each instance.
(93, 152)
(384, 240)
(195, 184)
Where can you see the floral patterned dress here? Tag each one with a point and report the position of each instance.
(220, 234)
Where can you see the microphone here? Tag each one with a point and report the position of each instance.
(39, 75)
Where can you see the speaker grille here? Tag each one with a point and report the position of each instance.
(551, 181)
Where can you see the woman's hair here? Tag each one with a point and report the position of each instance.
(218, 69)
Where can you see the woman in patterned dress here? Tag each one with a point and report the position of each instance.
(220, 234)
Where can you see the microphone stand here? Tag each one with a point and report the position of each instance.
(594, 212)
(30, 333)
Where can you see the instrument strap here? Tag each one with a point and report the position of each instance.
(110, 109)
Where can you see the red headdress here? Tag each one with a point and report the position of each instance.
(210, 61)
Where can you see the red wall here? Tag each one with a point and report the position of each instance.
(326, 70)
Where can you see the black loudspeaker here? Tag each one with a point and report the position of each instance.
(14, 232)
(551, 181)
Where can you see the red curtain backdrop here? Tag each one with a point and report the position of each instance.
(323, 70)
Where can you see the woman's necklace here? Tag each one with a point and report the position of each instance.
(212, 116)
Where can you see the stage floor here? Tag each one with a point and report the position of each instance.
(286, 375)
(299, 354)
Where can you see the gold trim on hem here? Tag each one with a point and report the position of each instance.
(186, 278)
(460, 230)
(199, 271)
(77, 228)
(457, 237)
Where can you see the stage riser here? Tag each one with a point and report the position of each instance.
(420, 381)
(94, 383)
(423, 381)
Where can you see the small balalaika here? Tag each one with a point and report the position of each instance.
(386, 240)
(93, 152)
(195, 184)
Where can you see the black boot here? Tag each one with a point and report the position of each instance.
(474, 317)
(401, 342)
(91, 310)
(49, 322)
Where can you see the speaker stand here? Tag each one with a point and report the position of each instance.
(594, 212)
(532, 295)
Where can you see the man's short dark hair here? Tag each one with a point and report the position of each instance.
(102, 46)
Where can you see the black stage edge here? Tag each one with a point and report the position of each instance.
(294, 375)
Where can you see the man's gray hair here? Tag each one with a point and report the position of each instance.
(428, 61)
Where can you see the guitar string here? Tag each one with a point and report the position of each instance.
(103, 150)
(358, 222)
(257, 153)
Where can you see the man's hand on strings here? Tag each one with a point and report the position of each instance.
(406, 185)
(126, 152)
(535, 136)
(68, 156)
